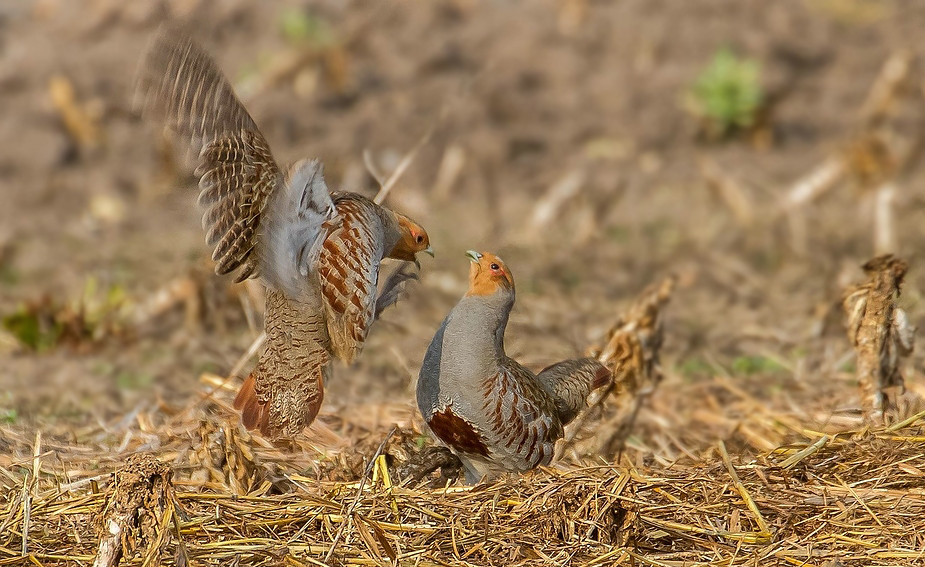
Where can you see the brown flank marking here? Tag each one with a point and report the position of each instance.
(457, 433)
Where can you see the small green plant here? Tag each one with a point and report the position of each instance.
(44, 323)
(36, 330)
(8, 416)
(300, 26)
(695, 367)
(756, 365)
(8, 275)
(134, 380)
(727, 95)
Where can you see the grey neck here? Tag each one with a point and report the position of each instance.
(391, 233)
(474, 342)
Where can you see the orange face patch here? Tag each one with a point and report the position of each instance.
(414, 239)
(487, 274)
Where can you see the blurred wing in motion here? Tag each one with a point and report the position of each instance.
(394, 287)
(180, 85)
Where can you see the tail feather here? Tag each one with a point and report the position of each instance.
(602, 377)
(253, 413)
(285, 412)
(571, 381)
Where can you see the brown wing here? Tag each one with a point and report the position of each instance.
(523, 423)
(182, 86)
(285, 391)
(349, 270)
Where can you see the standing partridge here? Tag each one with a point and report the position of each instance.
(492, 412)
(317, 252)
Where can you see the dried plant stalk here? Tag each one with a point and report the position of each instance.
(82, 121)
(730, 191)
(632, 350)
(633, 343)
(884, 219)
(880, 333)
(550, 205)
(451, 166)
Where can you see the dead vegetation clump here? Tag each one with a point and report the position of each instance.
(631, 350)
(136, 512)
(881, 335)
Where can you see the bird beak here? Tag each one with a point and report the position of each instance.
(429, 250)
(473, 256)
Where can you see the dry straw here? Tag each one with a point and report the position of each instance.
(858, 497)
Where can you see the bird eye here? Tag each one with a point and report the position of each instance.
(494, 266)
(420, 239)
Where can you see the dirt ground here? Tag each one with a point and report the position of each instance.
(530, 96)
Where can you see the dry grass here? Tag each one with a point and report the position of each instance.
(856, 496)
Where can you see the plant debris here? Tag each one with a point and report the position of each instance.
(881, 334)
(136, 511)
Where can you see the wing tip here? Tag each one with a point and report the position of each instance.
(602, 377)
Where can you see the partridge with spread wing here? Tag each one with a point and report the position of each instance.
(317, 252)
(495, 414)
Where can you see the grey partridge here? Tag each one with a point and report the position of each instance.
(317, 252)
(495, 414)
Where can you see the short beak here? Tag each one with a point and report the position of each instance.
(429, 250)
(473, 256)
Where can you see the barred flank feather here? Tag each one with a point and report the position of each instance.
(349, 269)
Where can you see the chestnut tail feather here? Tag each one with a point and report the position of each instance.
(253, 413)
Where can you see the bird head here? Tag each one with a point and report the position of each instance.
(413, 239)
(488, 274)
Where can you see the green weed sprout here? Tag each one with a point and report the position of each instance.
(727, 95)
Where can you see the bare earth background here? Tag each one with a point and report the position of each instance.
(527, 98)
